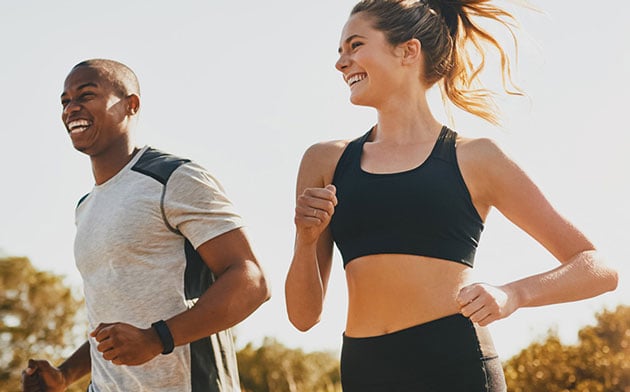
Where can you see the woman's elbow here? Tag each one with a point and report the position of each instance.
(612, 280)
(302, 324)
(608, 276)
(603, 276)
(301, 315)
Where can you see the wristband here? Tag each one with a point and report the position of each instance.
(165, 336)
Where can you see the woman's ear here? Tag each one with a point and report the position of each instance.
(411, 51)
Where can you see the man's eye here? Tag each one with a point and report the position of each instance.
(64, 103)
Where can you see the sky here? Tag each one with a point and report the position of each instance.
(244, 87)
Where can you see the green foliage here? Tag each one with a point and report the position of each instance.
(600, 361)
(276, 368)
(37, 316)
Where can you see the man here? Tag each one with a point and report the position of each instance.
(167, 267)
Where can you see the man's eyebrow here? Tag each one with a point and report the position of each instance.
(350, 38)
(82, 86)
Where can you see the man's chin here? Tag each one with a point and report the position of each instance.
(81, 148)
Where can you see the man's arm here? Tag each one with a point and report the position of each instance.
(41, 376)
(239, 289)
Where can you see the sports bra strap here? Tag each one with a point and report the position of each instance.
(445, 145)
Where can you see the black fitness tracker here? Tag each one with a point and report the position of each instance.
(165, 336)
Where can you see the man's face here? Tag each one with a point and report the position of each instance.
(95, 115)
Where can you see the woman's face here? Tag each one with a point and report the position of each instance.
(368, 62)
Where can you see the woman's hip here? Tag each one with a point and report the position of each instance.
(447, 354)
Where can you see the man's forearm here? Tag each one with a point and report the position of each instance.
(77, 365)
(233, 297)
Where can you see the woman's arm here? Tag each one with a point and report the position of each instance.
(496, 181)
(307, 279)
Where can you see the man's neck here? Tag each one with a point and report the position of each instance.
(106, 166)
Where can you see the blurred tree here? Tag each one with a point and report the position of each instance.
(37, 320)
(600, 361)
(276, 368)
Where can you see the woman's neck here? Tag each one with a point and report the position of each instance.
(404, 121)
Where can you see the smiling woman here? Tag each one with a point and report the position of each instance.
(406, 204)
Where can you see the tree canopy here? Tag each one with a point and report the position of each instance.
(37, 319)
(599, 362)
(276, 368)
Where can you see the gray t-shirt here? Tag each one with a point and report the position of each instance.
(133, 266)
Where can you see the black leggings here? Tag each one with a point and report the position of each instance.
(450, 354)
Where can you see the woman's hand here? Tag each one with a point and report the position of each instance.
(313, 211)
(483, 303)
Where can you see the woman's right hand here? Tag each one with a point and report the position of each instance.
(313, 211)
(41, 376)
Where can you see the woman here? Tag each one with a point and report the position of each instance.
(406, 204)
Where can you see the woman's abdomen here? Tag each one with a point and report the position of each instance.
(391, 292)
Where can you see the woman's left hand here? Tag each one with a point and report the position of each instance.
(483, 303)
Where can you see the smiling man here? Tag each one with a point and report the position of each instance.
(166, 264)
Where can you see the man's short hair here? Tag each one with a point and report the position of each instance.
(121, 77)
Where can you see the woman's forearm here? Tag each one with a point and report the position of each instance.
(304, 288)
(584, 276)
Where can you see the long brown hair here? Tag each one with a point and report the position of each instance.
(450, 41)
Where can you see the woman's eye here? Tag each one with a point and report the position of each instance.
(355, 45)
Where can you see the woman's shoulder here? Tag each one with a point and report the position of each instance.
(326, 152)
(480, 150)
(320, 160)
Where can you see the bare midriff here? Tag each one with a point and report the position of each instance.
(391, 292)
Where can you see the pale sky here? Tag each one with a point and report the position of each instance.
(244, 87)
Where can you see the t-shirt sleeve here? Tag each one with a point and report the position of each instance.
(196, 205)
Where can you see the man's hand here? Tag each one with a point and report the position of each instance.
(124, 344)
(41, 376)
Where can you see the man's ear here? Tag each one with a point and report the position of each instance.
(411, 51)
(133, 104)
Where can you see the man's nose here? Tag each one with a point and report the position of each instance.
(70, 107)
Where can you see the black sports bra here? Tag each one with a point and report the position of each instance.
(424, 211)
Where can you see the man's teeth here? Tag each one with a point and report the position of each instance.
(355, 78)
(77, 126)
